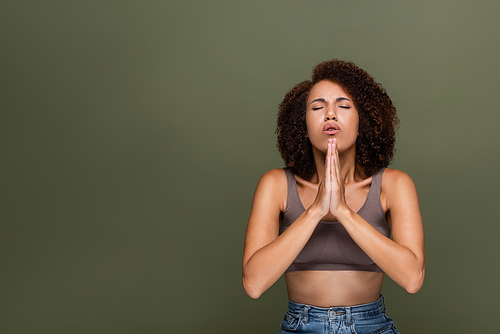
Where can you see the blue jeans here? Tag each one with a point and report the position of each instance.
(360, 319)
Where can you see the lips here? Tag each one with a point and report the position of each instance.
(331, 129)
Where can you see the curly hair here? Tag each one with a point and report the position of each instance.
(377, 119)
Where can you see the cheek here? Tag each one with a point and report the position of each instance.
(308, 126)
(355, 122)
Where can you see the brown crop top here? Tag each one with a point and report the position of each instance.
(330, 246)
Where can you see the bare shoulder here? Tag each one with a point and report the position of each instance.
(396, 178)
(397, 185)
(274, 177)
(272, 186)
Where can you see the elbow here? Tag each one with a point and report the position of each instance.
(413, 288)
(254, 294)
(415, 283)
(251, 289)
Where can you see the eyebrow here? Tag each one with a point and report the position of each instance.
(323, 100)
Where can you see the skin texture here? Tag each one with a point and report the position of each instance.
(336, 191)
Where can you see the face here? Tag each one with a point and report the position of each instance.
(331, 113)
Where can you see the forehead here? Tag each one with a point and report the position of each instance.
(327, 90)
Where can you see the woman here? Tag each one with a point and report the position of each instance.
(335, 221)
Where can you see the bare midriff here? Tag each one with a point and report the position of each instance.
(334, 288)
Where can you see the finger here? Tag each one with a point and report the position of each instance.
(335, 159)
(332, 160)
(332, 179)
(328, 150)
(328, 164)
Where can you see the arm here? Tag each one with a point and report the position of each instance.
(403, 257)
(267, 254)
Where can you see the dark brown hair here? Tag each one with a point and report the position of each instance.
(377, 119)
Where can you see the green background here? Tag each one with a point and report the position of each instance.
(133, 134)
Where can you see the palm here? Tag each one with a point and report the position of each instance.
(330, 196)
(337, 186)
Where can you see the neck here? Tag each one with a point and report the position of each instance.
(349, 170)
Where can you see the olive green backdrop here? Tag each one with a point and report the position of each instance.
(133, 134)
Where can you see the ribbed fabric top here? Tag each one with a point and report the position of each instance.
(330, 247)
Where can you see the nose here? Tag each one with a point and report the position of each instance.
(330, 114)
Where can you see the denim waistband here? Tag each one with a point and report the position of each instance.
(338, 313)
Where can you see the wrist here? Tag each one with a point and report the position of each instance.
(344, 214)
(314, 213)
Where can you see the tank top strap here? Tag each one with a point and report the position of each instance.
(292, 198)
(375, 188)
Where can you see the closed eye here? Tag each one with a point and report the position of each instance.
(317, 108)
